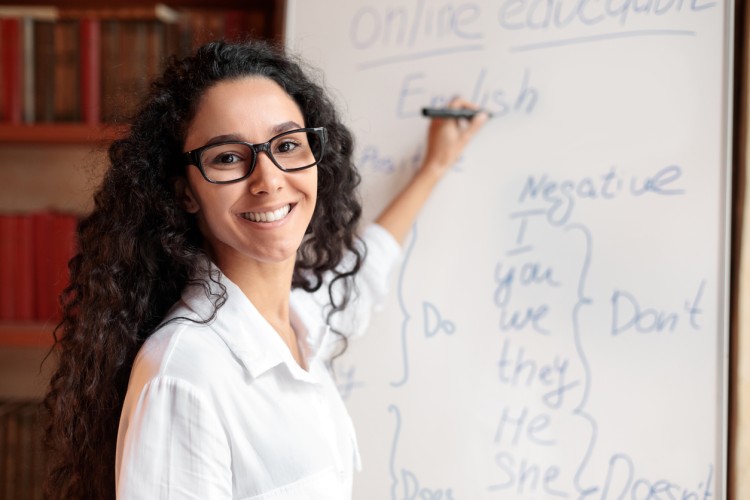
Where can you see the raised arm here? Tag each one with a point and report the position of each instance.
(446, 140)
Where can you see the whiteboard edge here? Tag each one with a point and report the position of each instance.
(289, 26)
(726, 253)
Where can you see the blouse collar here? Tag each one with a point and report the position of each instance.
(252, 339)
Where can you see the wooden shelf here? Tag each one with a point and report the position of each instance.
(26, 334)
(59, 133)
(243, 4)
(257, 18)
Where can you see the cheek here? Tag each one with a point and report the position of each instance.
(214, 204)
(313, 195)
(207, 197)
(313, 182)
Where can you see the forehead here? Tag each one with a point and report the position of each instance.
(248, 107)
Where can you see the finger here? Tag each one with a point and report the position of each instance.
(477, 122)
(473, 127)
(459, 102)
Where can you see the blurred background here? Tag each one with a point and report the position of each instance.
(71, 73)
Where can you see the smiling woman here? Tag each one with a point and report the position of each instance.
(234, 216)
(213, 278)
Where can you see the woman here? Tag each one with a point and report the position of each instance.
(196, 337)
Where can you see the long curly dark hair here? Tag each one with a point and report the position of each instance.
(138, 248)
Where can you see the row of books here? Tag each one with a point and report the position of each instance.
(34, 252)
(93, 65)
(22, 458)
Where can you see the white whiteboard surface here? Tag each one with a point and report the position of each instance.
(558, 327)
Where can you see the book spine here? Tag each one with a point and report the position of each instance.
(44, 297)
(7, 266)
(172, 41)
(11, 69)
(38, 463)
(3, 109)
(233, 29)
(214, 26)
(64, 249)
(21, 459)
(158, 12)
(131, 73)
(156, 43)
(44, 73)
(24, 454)
(27, 35)
(110, 71)
(24, 269)
(10, 463)
(67, 108)
(90, 36)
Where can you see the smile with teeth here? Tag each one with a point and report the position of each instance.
(273, 216)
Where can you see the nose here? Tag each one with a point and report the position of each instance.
(266, 178)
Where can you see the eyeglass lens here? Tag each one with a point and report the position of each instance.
(231, 161)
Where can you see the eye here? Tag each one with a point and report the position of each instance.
(287, 146)
(224, 156)
(227, 158)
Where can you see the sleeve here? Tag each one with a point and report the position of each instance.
(372, 282)
(383, 255)
(171, 445)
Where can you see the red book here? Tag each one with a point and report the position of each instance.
(44, 71)
(7, 273)
(11, 69)
(24, 269)
(90, 71)
(44, 296)
(63, 249)
(233, 25)
(67, 75)
(3, 112)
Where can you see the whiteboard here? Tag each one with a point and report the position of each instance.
(558, 325)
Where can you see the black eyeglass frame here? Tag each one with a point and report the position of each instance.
(194, 157)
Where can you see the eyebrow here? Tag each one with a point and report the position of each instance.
(284, 127)
(275, 130)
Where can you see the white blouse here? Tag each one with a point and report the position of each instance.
(223, 410)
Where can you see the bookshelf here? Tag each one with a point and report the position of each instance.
(58, 133)
(26, 334)
(71, 71)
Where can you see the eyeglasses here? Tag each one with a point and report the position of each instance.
(233, 161)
